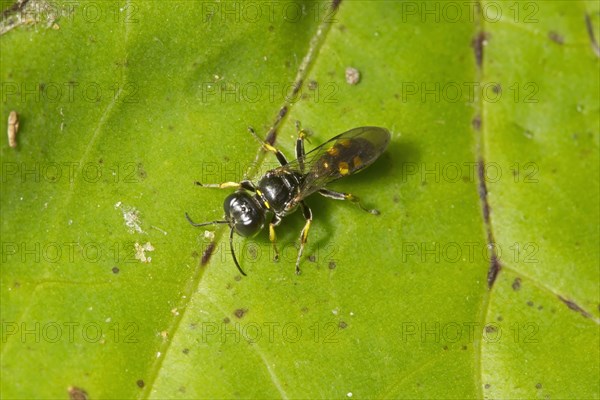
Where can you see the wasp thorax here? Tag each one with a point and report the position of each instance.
(244, 212)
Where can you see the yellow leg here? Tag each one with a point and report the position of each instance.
(273, 239)
(304, 235)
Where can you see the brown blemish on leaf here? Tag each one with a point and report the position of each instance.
(476, 122)
(115, 270)
(335, 4)
(76, 393)
(590, 30)
(556, 37)
(141, 172)
(495, 267)
(575, 307)
(208, 252)
(483, 191)
(477, 44)
(240, 312)
(343, 325)
(140, 383)
(516, 285)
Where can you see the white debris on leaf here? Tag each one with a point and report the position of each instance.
(131, 216)
(140, 252)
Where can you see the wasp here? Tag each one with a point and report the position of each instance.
(282, 190)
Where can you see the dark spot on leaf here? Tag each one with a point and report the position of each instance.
(493, 271)
(271, 28)
(141, 172)
(538, 385)
(312, 258)
(332, 265)
(483, 191)
(185, 351)
(76, 393)
(396, 198)
(240, 312)
(476, 122)
(530, 303)
(499, 318)
(237, 278)
(100, 161)
(115, 270)
(555, 37)
(464, 347)
(516, 285)
(497, 88)
(208, 252)
(575, 307)
(445, 347)
(194, 254)
(343, 325)
(540, 307)
(487, 386)
(140, 383)
(490, 328)
(182, 389)
(297, 86)
(477, 44)
(282, 112)
(590, 30)
(312, 84)
(226, 320)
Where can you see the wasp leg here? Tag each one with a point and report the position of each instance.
(308, 216)
(280, 157)
(245, 184)
(346, 196)
(274, 222)
(300, 153)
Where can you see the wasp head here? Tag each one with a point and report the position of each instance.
(244, 213)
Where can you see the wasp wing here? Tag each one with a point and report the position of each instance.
(342, 155)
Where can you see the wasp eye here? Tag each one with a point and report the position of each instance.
(245, 213)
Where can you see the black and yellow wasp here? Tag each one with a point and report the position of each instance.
(282, 190)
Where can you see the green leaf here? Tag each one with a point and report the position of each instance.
(124, 105)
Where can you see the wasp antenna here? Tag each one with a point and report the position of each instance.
(233, 253)
(204, 223)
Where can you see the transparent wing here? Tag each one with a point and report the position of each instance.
(342, 155)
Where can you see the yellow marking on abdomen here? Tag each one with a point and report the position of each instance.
(343, 168)
(345, 142)
(357, 162)
(333, 151)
